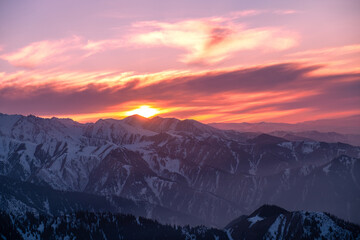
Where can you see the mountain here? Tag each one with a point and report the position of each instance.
(332, 137)
(267, 222)
(18, 198)
(345, 126)
(184, 168)
(273, 222)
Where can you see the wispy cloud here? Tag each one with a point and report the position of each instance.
(334, 59)
(255, 12)
(209, 41)
(54, 51)
(103, 45)
(39, 52)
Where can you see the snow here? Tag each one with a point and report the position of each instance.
(286, 173)
(172, 165)
(287, 145)
(305, 170)
(138, 221)
(7, 122)
(228, 233)
(254, 165)
(272, 232)
(254, 220)
(324, 223)
(348, 162)
(309, 147)
(29, 235)
(41, 227)
(326, 169)
(46, 206)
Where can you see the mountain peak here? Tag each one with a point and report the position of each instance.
(135, 120)
(267, 139)
(266, 211)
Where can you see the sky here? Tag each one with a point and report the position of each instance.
(212, 61)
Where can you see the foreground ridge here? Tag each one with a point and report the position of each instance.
(267, 222)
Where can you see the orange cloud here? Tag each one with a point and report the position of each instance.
(262, 93)
(209, 41)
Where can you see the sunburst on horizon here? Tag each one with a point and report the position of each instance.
(144, 111)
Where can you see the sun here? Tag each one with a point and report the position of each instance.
(145, 111)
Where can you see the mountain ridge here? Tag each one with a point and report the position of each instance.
(179, 166)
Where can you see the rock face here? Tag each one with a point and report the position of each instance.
(182, 166)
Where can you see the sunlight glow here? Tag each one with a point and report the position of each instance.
(145, 111)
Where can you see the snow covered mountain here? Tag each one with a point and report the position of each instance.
(272, 222)
(182, 166)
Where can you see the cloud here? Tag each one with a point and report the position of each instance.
(334, 59)
(39, 52)
(255, 12)
(208, 41)
(99, 46)
(205, 41)
(285, 12)
(283, 91)
(54, 51)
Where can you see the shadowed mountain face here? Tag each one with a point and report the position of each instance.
(185, 168)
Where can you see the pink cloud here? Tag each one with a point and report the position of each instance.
(208, 41)
(40, 52)
(247, 13)
(99, 46)
(334, 59)
(255, 12)
(50, 51)
(285, 12)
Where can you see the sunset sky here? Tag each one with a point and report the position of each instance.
(213, 61)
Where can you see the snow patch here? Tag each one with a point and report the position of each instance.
(326, 169)
(309, 147)
(287, 145)
(254, 220)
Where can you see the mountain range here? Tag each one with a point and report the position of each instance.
(174, 171)
(345, 130)
(344, 126)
